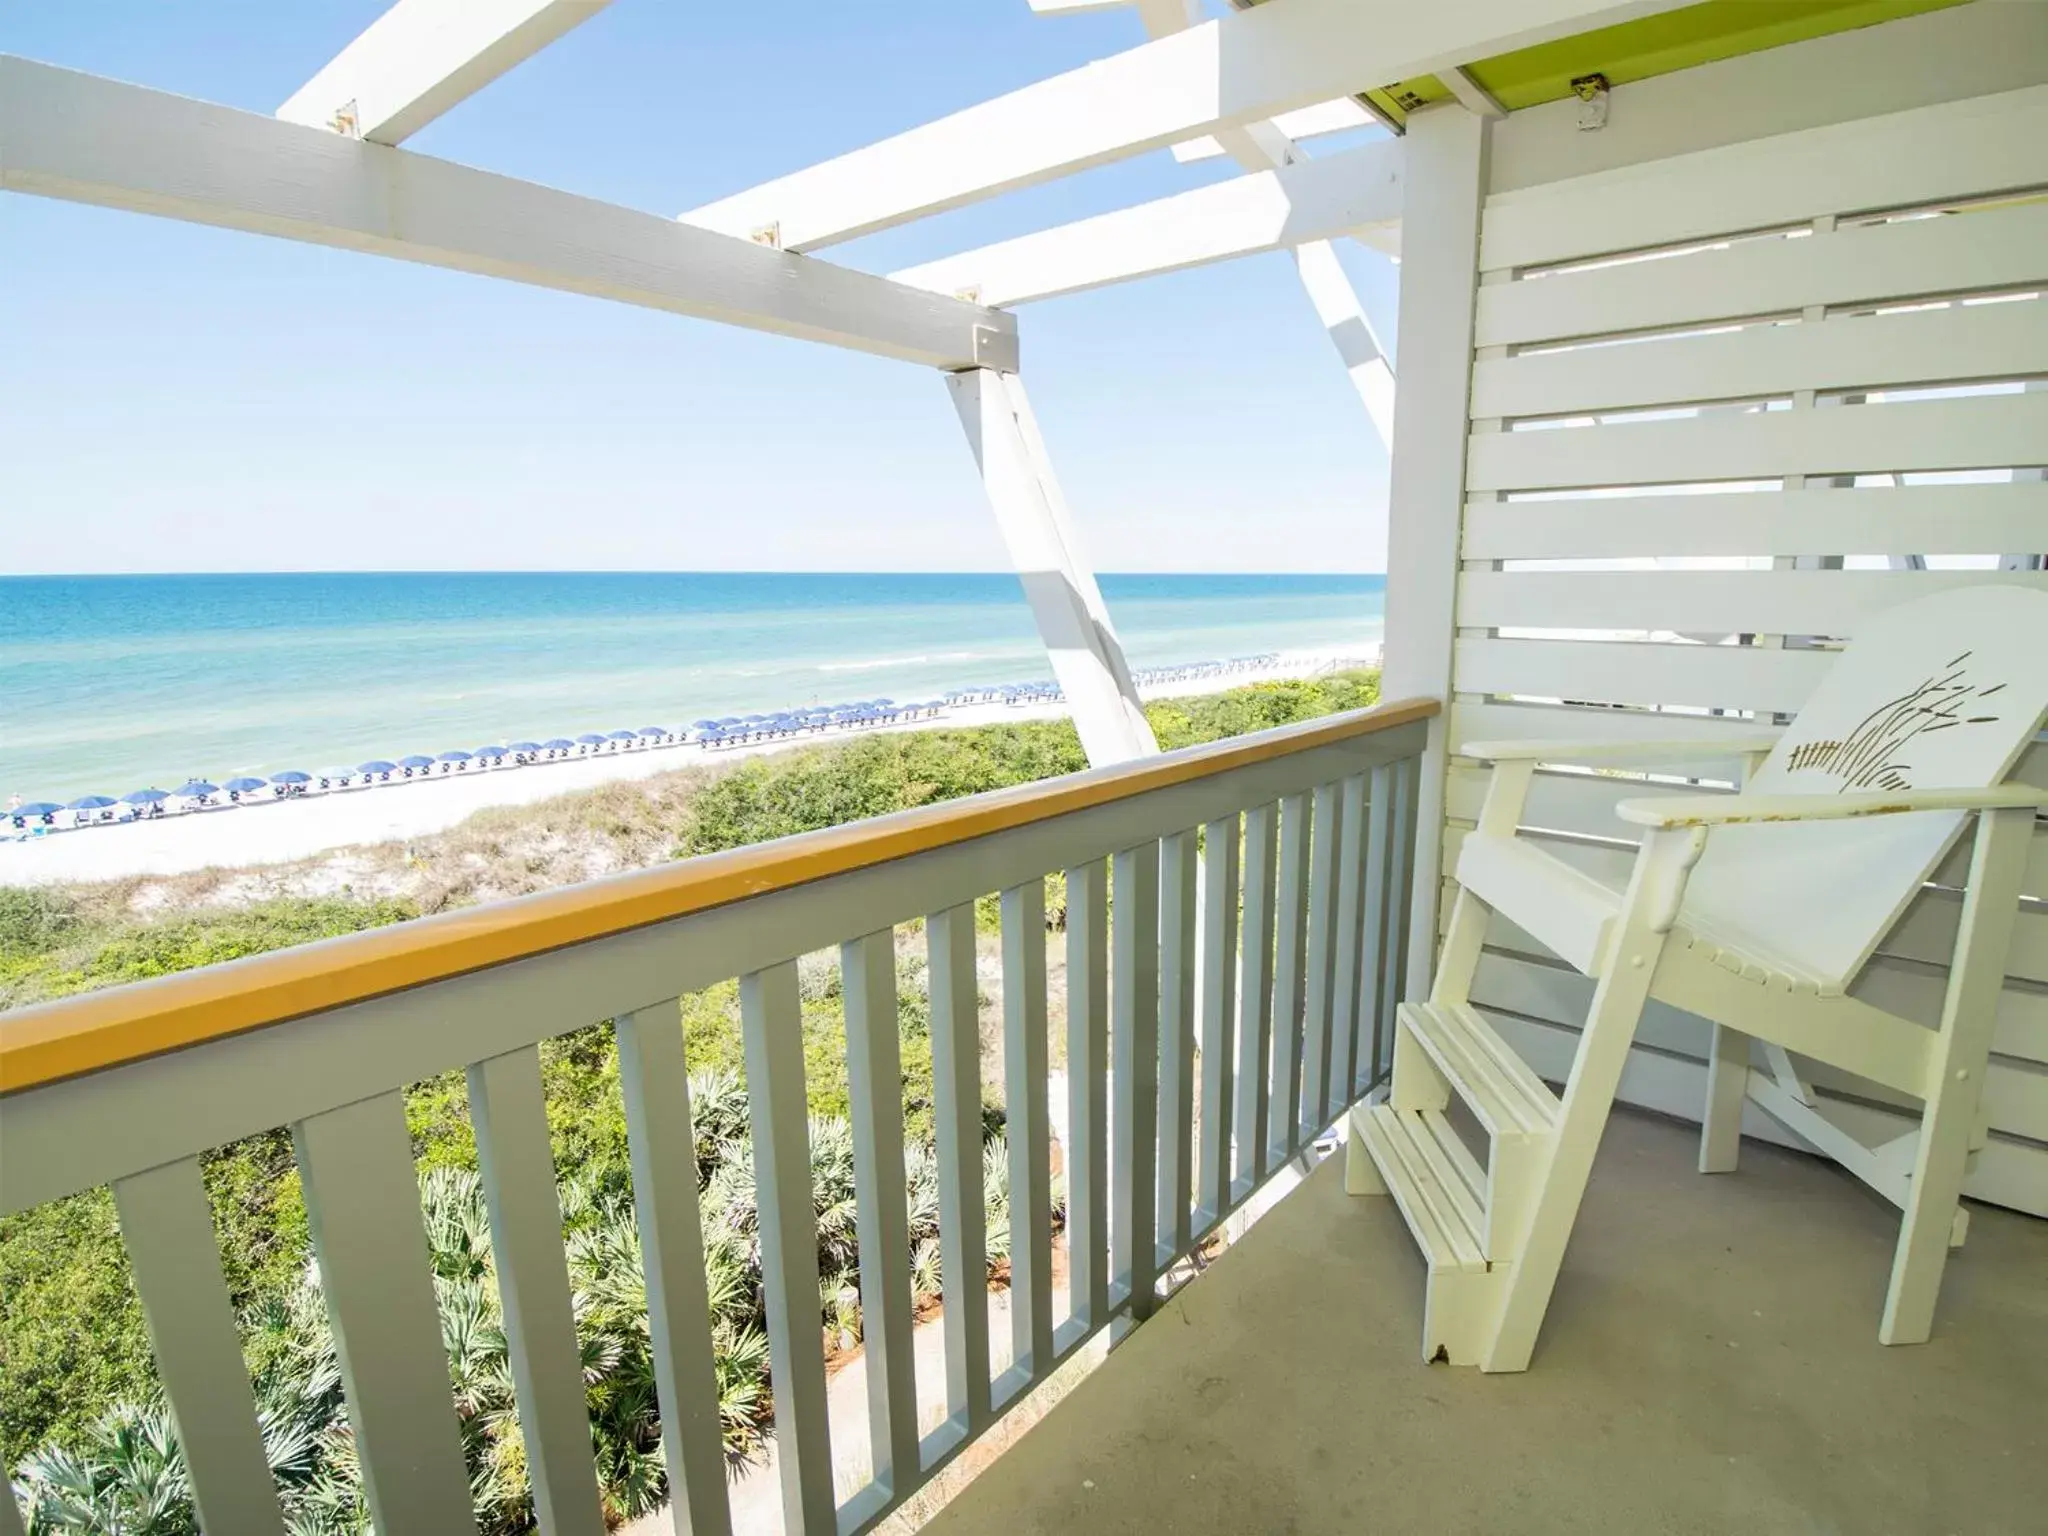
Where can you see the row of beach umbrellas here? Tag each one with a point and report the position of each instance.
(725, 730)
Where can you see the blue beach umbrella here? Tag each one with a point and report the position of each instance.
(590, 739)
(456, 757)
(703, 725)
(36, 808)
(145, 797)
(727, 722)
(376, 765)
(291, 776)
(654, 731)
(193, 788)
(524, 746)
(415, 761)
(93, 802)
(622, 736)
(243, 786)
(561, 744)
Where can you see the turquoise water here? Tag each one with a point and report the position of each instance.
(110, 683)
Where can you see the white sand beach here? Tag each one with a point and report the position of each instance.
(287, 830)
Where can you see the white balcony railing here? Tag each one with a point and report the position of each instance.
(1298, 840)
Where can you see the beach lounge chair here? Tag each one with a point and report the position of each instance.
(1756, 911)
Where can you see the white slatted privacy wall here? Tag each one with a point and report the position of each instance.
(1725, 407)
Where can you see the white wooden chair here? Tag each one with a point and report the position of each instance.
(1754, 910)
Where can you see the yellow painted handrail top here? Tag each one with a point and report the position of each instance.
(73, 1036)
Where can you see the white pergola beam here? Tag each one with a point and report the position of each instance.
(1269, 146)
(422, 57)
(1237, 69)
(1310, 200)
(1325, 117)
(86, 139)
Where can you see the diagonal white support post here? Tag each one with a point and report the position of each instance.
(1351, 332)
(1087, 657)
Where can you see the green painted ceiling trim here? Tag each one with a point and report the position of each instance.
(1654, 45)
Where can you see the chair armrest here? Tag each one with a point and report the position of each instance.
(1564, 750)
(1736, 810)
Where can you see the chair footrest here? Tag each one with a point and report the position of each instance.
(1508, 1098)
(1433, 1179)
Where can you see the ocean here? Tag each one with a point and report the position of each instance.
(110, 683)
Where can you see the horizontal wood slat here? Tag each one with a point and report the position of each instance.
(1473, 721)
(1707, 602)
(1892, 520)
(1959, 149)
(1915, 991)
(1986, 432)
(1740, 677)
(1568, 802)
(1980, 249)
(1983, 341)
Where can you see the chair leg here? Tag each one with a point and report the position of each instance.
(1926, 1234)
(1624, 986)
(1727, 1086)
(1588, 1097)
(1955, 1073)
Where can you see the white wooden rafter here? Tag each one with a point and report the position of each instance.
(82, 138)
(1343, 115)
(1236, 70)
(1230, 220)
(422, 57)
(1263, 147)
(1308, 201)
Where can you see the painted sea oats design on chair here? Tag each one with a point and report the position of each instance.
(1871, 756)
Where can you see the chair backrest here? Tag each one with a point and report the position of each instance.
(1941, 693)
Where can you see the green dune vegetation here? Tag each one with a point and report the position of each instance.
(82, 1423)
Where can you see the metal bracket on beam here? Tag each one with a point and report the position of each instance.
(995, 349)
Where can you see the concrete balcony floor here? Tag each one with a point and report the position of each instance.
(1710, 1364)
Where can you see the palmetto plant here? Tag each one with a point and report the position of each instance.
(130, 1477)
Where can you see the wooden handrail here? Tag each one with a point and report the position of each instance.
(73, 1036)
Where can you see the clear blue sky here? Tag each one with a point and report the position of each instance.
(181, 398)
